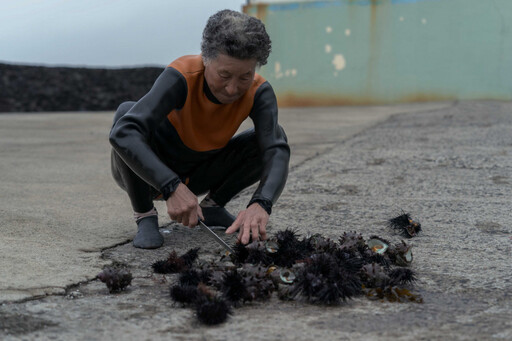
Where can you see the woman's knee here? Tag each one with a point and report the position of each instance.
(123, 109)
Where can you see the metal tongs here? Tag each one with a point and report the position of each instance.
(217, 238)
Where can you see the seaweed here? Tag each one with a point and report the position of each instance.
(393, 294)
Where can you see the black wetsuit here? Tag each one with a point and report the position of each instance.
(150, 158)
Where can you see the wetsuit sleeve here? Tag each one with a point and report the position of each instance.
(273, 145)
(131, 135)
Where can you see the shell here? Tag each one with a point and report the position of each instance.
(378, 245)
(287, 276)
(271, 246)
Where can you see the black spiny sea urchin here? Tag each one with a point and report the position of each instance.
(184, 294)
(233, 287)
(402, 276)
(115, 279)
(212, 310)
(404, 225)
(315, 269)
(174, 264)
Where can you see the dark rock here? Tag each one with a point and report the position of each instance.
(38, 88)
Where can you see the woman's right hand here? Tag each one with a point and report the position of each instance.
(183, 206)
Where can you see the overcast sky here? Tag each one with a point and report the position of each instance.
(110, 33)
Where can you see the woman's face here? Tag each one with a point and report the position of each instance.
(229, 78)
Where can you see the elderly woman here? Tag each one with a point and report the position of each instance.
(178, 140)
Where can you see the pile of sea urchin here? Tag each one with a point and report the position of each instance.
(313, 269)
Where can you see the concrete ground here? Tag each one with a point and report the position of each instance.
(448, 164)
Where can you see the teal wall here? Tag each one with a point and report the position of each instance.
(388, 51)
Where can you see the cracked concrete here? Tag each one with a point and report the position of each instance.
(352, 167)
(60, 207)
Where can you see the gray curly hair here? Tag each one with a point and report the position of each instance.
(237, 35)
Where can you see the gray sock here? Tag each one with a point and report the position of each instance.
(148, 236)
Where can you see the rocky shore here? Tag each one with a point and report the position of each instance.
(39, 88)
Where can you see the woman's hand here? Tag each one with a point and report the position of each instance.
(183, 206)
(251, 221)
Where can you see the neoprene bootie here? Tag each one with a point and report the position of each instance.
(148, 236)
(217, 216)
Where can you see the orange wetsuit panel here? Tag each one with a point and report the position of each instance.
(201, 124)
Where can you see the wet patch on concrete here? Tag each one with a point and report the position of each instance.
(376, 162)
(500, 180)
(349, 190)
(326, 188)
(492, 228)
(334, 206)
(396, 180)
(19, 324)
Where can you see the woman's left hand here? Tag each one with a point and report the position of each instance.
(251, 221)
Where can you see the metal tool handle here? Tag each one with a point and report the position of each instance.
(217, 238)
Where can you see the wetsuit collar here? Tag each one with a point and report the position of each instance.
(209, 93)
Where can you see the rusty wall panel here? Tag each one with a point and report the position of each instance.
(388, 51)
